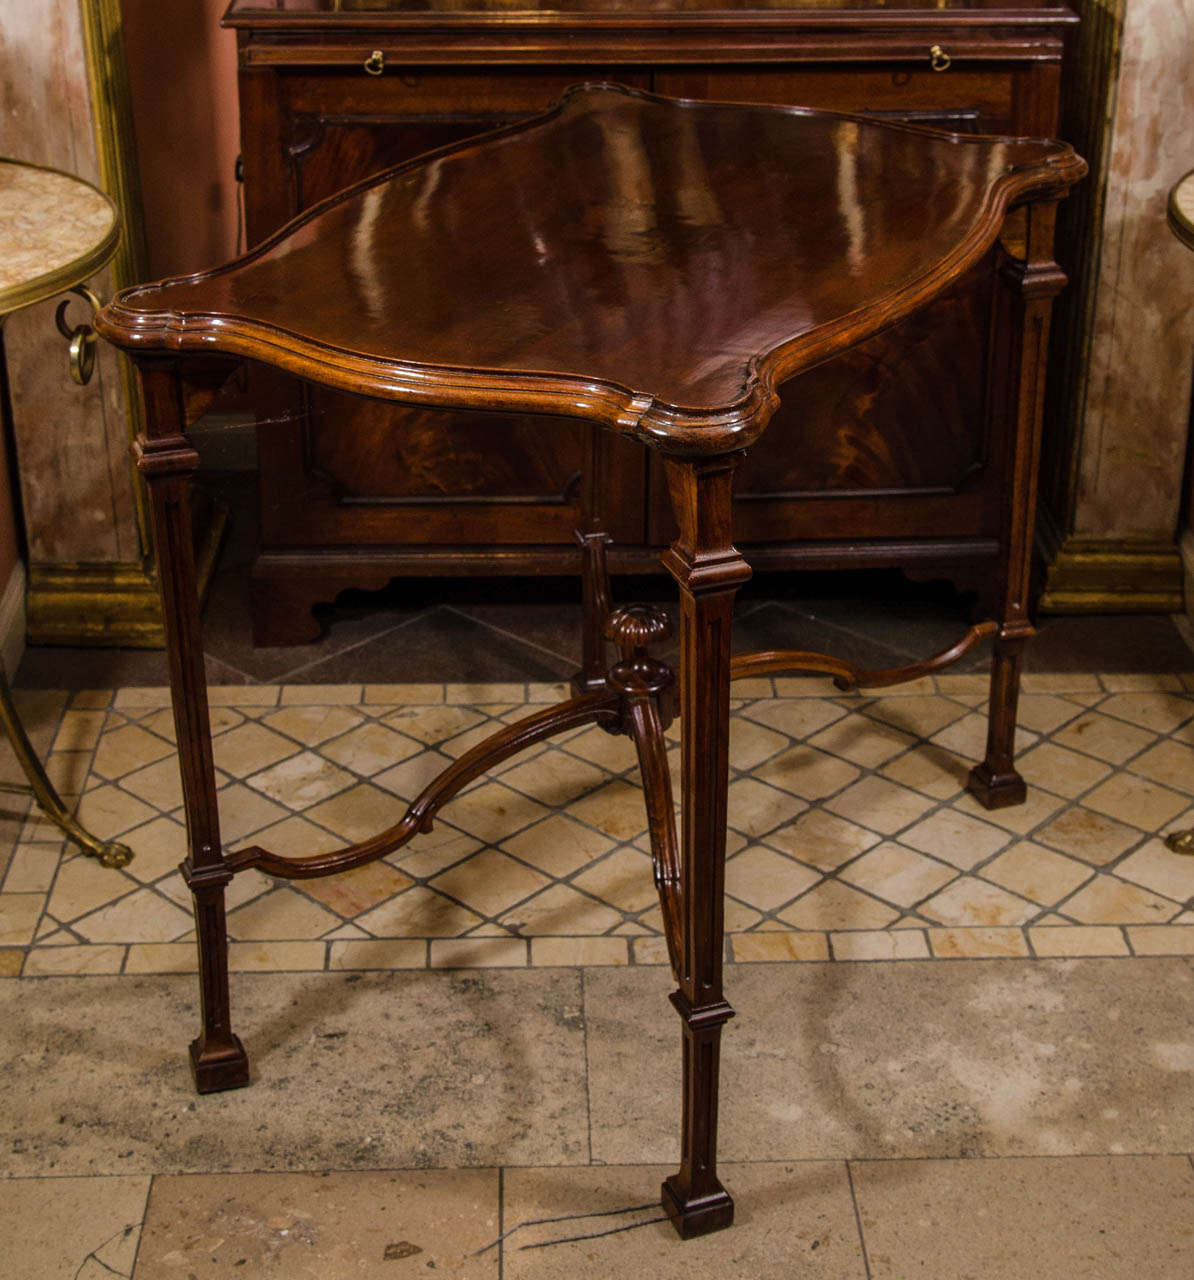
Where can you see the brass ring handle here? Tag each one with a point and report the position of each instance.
(939, 60)
(375, 63)
(81, 337)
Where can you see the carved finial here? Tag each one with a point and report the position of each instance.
(636, 626)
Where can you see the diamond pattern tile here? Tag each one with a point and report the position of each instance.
(847, 818)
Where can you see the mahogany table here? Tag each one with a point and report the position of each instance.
(658, 268)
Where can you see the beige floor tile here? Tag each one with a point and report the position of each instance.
(281, 913)
(554, 777)
(431, 852)
(956, 838)
(433, 724)
(142, 697)
(250, 747)
(973, 902)
(862, 741)
(1061, 682)
(822, 839)
(108, 811)
(1091, 836)
(624, 879)
(243, 695)
(305, 695)
(244, 811)
(880, 944)
(764, 948)
(276, 957)
(751, 743)
(418, 913)
(347, 933)
(880, 805)
(296, 1226)
(1164, 940)
(1078, 940)
(614, 752)
(293, 837)
(120, 751)
(490, 882)
(578, 951)
(833, 905)
(79, 730)
(158, 847)
(920, 715)
(312, 725)
(483, 693)
(94, 699)
(1138, 802)
(302, 780)
(617, 809)
(558, 845)
(68, 771)
(754, 808)
(965, 738)
(1075, 1219)
(796, 717)
(11, 961)
(72, 960)
(359, 813)
(1108, 900)
(352, 892)
(369, 749)
(1044, 712)
(1162, 712)
(560, 909)
(378, 953)
(59, 1228)
(408, 779)
(954, 683)
(478, 953)
(492, 811)
(1104, 737)
(1170, 763)
(964, 943)
(158, 784)
(929, 768)
(1141, 682)
(765, 879)
(789, 1220)
(82, 885)
(162, 957)
(1020, 818)
(143, 916)
(1057, 769)
(807, 773)
(31, 868)
(1036, 872)
(244, 887)
(405, 694)
(649, 951)
(897, 874)
(1161, 870)
(19, 914)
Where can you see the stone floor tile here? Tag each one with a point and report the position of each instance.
(965, 738)
(765, 879)
(1036, 872)
(880, 944)
(806, 772)
(50, 961)
(1093, 837)
(966, 943)
(349, 893)
(1045, 712)
(956, 838)
(928, 768)
(1061, 682)
(1136, 801)
(300, 695)
(122, 750)
(112, 811)
(1104, 737)
(1057, 769)
(1160, 869)
(11, 961)
(624, 879)
(896, 874)
(649, 951)
(554, 777)
(1078, 940)
(59, 1228)
(244, 811)
(432, 724)
(558, 845)
(492, 812)
(250, 747)
(311, 725)
(822, 839)
(478, 953)
(833, 905)
(756, 948)
(281, 913)
(1161, 712)
(404, 694)
(796, 717)
(1142, 682)
(1163, 940)
(490, 882)
(19, 914)
(1108, 900)
(162, 957)
(94, 699)
(578, 951)
(973, 902)
(755, 809)
(31, 868)
(359, 813)
(613, 752)
(350, 1071)
(158, 784)
(560, 909)
(789, 1220)
(1021, 818)
(908, 1059)
(881, 805)
(276, 957)
(418, 913)
(378, 953)
(302, 780)
(82, 885)
(158, 847)
(862, 741)
(306, 1226)
(369, 749)
(1068, 1219)
(143, 916)
(79, 730)
(920, 715)
(293, 837)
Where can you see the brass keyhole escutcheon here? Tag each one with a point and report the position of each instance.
(939, 60)
(375, 63)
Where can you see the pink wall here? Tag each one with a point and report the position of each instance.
(182, 69)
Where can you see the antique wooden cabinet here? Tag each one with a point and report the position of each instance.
(892, 454)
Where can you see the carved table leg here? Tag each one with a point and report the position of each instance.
(595, 592)
(709, 570)
(1032, 282)
(166, 459)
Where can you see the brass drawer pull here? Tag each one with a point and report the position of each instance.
(375, 63)
(939, 60)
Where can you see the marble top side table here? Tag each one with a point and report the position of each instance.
(658, 268)
(56, 231)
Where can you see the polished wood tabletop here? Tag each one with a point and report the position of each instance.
(625, 258)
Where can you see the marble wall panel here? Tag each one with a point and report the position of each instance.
(1133, 446)
(72, 442)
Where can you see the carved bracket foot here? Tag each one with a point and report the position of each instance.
(696, 1215)
(996, 790)
(218, 1068)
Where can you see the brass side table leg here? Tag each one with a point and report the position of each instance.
(111, 853)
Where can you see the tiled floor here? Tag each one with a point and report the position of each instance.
(964, 1041)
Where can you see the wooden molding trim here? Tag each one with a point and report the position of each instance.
(1107, 575)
